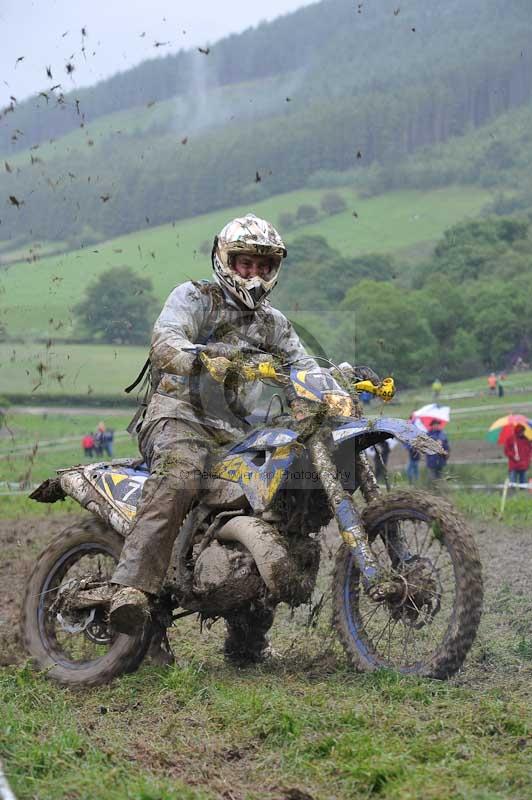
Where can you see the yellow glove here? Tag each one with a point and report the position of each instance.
(252, 372)
(216, 367)
(266, 370)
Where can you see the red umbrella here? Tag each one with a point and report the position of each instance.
(432, 412)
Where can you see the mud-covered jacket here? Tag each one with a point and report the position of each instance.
(201, 313)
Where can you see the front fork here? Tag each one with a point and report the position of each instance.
(351, 529)
(347, 516)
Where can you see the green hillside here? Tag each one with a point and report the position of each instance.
(340, 90)
(323, 45)
(38, 296)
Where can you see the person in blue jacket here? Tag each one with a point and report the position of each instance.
(412, 468)
(435, 461)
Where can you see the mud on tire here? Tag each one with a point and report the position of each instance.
(456, 633)
(125, 653)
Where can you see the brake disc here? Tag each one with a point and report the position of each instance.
(76, 627)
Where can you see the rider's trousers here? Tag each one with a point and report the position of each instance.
(176, 452)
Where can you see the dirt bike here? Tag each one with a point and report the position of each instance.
(406, 588)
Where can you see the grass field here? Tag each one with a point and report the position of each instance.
(64, 370)
(201, 731)
(38, 445)
(304, 727)
(38, 297)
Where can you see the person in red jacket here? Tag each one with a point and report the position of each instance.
(518, 449)
(88, 445)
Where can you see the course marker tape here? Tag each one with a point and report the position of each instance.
(489, 486)
(5, 790)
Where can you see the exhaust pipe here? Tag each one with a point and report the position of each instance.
(269, 552)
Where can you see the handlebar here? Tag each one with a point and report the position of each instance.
(266, 370)
(248, 372)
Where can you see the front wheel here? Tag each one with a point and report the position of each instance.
(428, 628)
(77, 649)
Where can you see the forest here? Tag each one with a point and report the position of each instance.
(391, 93)
(369, 101)
(464, 311)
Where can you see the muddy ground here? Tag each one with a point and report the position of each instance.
(501, 653)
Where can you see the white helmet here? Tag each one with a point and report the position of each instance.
(254, 236)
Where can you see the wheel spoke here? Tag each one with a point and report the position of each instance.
(75, 647)
(408, 630)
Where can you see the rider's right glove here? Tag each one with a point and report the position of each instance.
(222, 350)
(217, 367)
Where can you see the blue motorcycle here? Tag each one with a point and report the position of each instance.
(407, 584)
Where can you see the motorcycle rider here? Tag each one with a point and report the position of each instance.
(191, 411)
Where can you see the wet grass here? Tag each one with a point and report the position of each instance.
(487, 506)
(85, 371)
(35, 446)
(204, 730)
(304, 726)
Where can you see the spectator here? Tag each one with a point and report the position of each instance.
(500, 387)
(88, 445)
(108, 437)
(412, 468)
(518, 450)
(436, 389)
(492, 383)
(98, 439)
(435, 461)
(104, 440)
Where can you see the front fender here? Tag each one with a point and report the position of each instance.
(369, 432)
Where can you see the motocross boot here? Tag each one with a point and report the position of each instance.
(246, 641)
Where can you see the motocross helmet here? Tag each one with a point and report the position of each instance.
(253, 236)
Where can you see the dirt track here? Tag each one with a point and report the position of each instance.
(506, 555)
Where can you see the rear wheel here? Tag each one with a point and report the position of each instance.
(427, 627)
(77, 648)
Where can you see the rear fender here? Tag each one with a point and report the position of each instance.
(111, 490)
